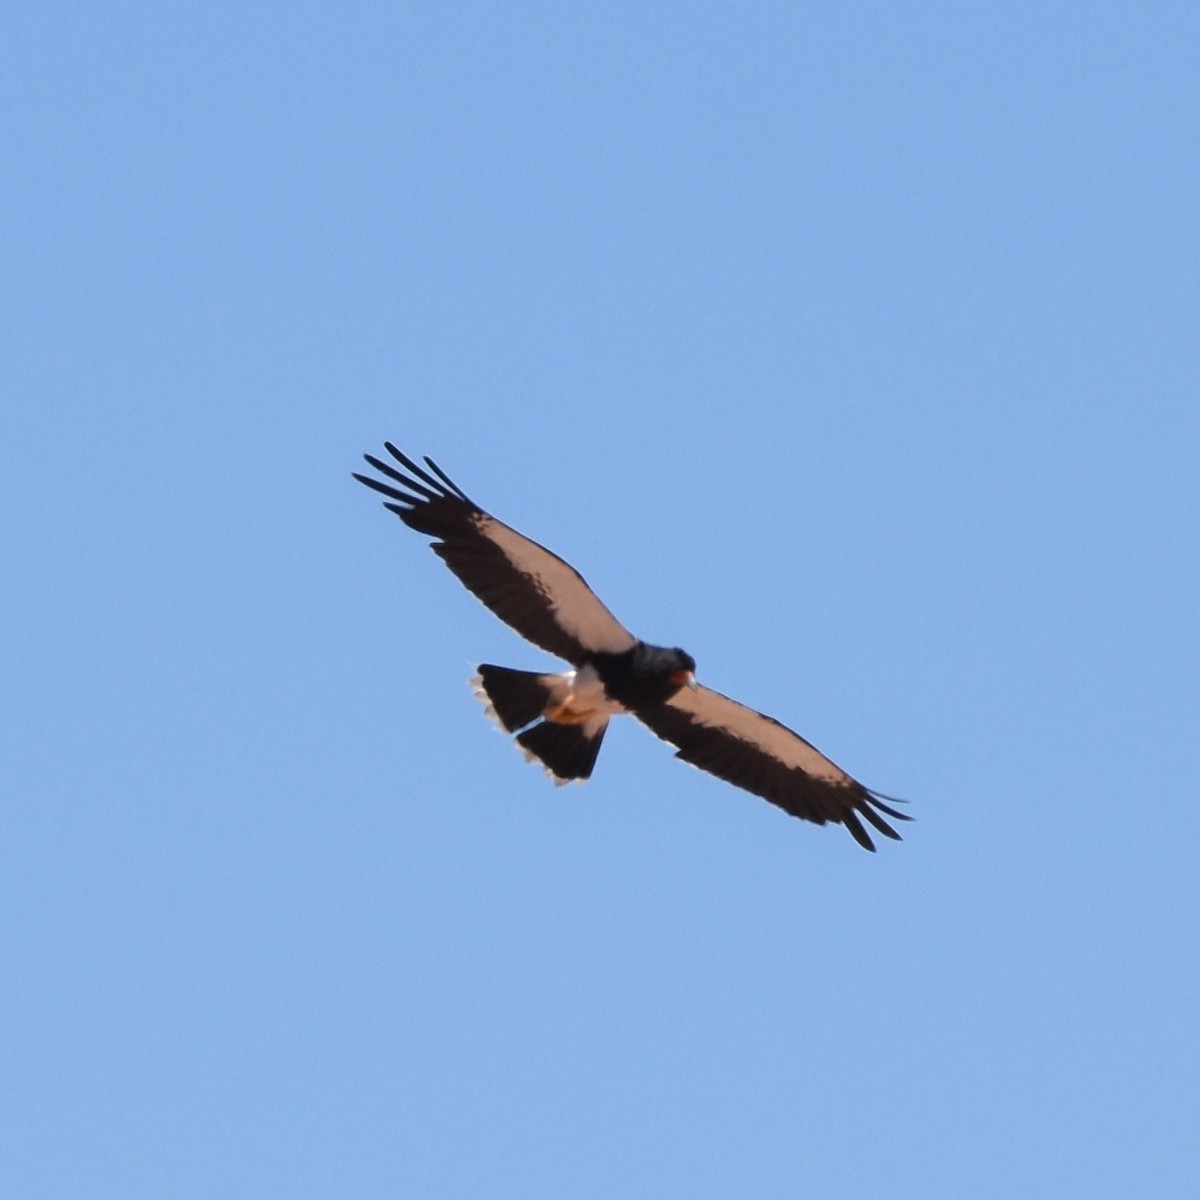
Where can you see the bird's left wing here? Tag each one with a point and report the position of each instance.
(756, 752)
(542, 597)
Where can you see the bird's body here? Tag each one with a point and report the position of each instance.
(559, 720)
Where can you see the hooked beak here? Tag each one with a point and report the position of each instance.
(685, 679)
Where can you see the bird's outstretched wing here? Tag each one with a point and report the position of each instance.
(542, 597)
(757, 753)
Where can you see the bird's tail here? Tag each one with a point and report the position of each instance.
(566, 751)
(566, 748)
(514, 698)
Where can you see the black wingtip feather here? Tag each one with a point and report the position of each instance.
(418, 471)
(878, 801)
(860, 835)
(391, 472)
(879, 822)
(448, 481)
(384, 489)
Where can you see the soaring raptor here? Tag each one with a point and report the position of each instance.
(560, 719)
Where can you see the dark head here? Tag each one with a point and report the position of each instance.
(646, 674)
(684, 668)
(675, 668)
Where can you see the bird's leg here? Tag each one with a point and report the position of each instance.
(564, 714)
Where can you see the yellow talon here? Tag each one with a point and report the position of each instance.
(564, 714)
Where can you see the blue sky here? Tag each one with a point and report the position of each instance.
(852, 347)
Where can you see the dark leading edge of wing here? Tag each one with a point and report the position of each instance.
(527, 586)
(761, 755)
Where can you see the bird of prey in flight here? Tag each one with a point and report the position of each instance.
(559, 719)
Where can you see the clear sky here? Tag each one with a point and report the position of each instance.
(853, 347)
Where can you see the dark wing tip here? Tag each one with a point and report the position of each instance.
(877, 800)
(414, 487)
(448, 481)
(416, 479)
(860, 835)
(385, 489)
(865, 807)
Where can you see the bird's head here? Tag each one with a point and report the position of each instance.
(684, 668)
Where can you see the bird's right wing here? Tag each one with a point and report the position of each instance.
(542, 597)
(756, 752)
